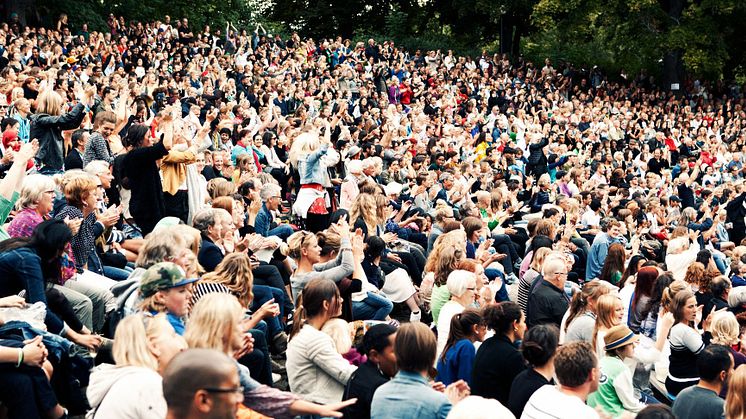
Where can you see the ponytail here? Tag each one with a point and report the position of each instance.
(579, 303)
(299, 317)
(311, 302)
(461, 328)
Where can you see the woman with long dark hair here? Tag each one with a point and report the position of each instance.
(33, 265)
(613, 265)
(457, 360)
(141, 174)
(641, 298)
(498, 361)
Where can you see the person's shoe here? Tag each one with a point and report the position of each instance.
(276, 377)
(415, 316)
(279, 343)
(517, 264)
(511, 279)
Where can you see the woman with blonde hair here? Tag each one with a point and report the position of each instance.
(609, 313)
(234, 275)
(143, 346)
(47, 125)
(364, 215)
(304, 248)
(311, 154)
(735, 401)
(216, 323)
(726, 331)
(448, 251)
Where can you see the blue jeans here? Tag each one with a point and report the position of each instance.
(262, 294)
(116, 274)
(282, 231)
(373, 307)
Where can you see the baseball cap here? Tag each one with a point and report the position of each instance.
(619, 336)
(163, 276)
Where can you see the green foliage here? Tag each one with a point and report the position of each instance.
(636, 34)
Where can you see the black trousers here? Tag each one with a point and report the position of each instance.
(26, 391)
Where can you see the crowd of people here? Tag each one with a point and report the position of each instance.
(213, 223)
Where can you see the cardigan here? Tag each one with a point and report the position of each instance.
(316, 371)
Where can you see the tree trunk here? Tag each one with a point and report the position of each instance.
(506, 34)
(673, 66)
(515, 49)
(673, 71)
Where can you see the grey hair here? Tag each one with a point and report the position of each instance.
(269, 190)
(96, 167)
(33, 189)
(205, 219)
(458, 281)
(159, 247)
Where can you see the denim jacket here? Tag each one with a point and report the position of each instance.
(311, 168)
(408, 395)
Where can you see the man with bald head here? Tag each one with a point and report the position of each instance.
(548, 301)
(202, 384)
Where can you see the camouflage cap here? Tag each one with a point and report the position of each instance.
(163, 276)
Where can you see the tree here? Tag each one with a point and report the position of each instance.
(693, 36)
(480, 22)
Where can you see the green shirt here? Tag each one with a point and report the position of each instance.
(6, 206)
(612, 368)
(438, 298)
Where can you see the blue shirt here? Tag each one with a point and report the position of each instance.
(406, 396)
(597, 255)
(458, 363)
(263, 221)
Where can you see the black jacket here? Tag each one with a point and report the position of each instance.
(48, 130)
(496, 365)
(363, 384)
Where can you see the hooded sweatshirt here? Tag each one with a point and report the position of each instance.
(126, 393)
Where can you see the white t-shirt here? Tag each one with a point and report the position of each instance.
(549, 403)
(450, 309)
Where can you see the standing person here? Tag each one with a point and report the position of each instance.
(97, 147)
(47, 125)
(498, 360)
(201, 383)
(576, 368)
(408, 394)
(311, 156)
(457, 359)
(548, 301)
(141, 174)
(616, 394)
(538, 348)
(378, 345)
(316, 371)
(701, 401)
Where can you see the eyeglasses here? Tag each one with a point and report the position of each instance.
(561, 273)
